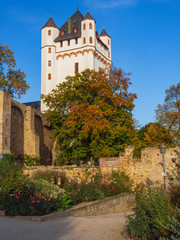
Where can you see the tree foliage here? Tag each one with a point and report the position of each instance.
(157, 134)
(91, 114)
(12, 80)
(168, 114)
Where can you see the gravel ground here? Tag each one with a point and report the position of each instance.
(106, 227)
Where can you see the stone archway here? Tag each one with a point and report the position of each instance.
(17, 131)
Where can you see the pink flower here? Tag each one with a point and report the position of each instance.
(17, 196)
(40, 196)
(45, 199)
(36, 193)
(78, 190)
(33, 201)
(38, 201)
(49, 199)
(47, 191)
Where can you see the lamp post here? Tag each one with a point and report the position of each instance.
(163, 151)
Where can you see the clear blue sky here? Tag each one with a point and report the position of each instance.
(145, 41)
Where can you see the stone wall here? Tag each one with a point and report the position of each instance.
(149, 166)
(24, 130)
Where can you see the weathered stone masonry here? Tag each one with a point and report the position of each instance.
(24, 130)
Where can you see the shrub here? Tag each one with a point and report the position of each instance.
(11, 175)
(98, 186)
(29, 160)
(153, 209)
(48, 175)
(29, 201)
(173, 228)
(174, 194)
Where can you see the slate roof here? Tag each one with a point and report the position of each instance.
(88, 16)
(104, 33)
(50, 23)
(36, 105)
(77, 17)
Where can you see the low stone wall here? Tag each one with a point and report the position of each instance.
(120, 203)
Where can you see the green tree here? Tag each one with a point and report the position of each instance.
(12, 80)
(168, 114)
(91, 115)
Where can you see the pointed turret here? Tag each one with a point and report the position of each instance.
(50, 23)
(104, 33)
(88, 16)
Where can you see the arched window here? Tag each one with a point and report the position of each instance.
(90, 40)
(49, 76)
(62, 33)
(49, 63)
(84, 26)
(108, 54)
(75, 30)
(90, 25)
(84, 40)
(49, 50)
(49, 32)
(108, 42)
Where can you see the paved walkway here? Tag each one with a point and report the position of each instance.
(107, 227)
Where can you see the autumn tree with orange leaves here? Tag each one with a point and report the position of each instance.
(91, 115)
(12, 80)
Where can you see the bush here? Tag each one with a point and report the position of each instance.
(29, 201)
(50, 175)
(174, 194)
(29, 160)
(151, 214)
(97, 186)
(173, 228)
(11, 175)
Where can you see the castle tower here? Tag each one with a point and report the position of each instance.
(71, 48)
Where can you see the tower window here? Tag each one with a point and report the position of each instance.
(49, 76)
(90, 40)
(108, 54)
(84, 26)
(84, 40)
(61, 44)
(49, 50)
(49, 32)
(108, 42)
(49, 63)
(76, 41)
(68, 42)
(90, 25)
(76, 67)
(62, 33)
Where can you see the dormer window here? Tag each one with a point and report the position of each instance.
(90, 25)
(75, 30)
(84, 26)
(49, 32)
(62, 33)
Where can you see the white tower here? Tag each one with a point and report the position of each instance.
(74, 47)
